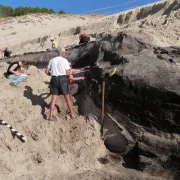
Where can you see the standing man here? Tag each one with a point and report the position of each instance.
(15, 73)
(59, 70)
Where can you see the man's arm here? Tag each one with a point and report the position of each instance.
(84, 68)
(47, 71)
(68, 72)
(80, 70)
(75, 70)
(76, 78)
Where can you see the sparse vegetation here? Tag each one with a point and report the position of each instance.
(61, 12)
(7, 11)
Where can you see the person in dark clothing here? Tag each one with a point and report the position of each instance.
(73, 84)
(84, 38)
(15, 73)
(74, 78)
(6, 53)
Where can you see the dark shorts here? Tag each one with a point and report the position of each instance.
(59, 85)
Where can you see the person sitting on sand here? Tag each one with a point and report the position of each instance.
(54, 46)
(15, 73)
(6, 53)
(84, 38)
(59, 70)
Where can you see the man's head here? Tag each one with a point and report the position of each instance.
(52, 39)
(62, 52)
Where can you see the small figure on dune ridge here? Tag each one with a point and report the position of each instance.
(54, 45)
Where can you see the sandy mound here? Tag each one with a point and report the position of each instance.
(52, 147)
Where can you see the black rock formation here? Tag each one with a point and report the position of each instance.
(38, 59)
(143, 97)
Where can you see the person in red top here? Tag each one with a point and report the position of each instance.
(84, 38)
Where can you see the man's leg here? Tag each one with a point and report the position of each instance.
(52, 106)
(69, 104)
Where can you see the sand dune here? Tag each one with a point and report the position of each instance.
(29, 29)
(32, 32)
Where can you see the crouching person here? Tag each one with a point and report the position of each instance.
(15, 73)
(84, 38)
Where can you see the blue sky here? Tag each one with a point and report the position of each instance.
(80, 6)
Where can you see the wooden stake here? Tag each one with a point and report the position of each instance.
(102, 112)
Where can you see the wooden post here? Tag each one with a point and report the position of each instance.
(102, 112)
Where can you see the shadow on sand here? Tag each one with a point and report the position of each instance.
(38, 100)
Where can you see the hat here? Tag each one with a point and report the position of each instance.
(52, 39)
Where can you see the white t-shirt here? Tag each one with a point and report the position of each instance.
(58, 66)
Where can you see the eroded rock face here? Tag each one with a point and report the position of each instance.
(146, 85)
(38, 59)
(145, 91)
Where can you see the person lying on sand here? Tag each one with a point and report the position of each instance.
(59, 70)
(15, 73)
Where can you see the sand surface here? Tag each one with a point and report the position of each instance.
(52, 147)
